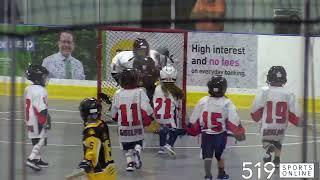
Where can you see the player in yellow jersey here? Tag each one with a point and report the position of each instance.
(97, 161)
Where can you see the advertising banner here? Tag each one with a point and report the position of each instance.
(233, 56)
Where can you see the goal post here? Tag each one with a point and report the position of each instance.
(116, 39)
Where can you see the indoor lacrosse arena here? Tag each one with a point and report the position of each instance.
(153, 90)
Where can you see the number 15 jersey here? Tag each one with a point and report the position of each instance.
(274, 107)
(216, 115)
(132, 110)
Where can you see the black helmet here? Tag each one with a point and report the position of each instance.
(277, 74)
(90, 108)
(37, 74)
(128, 78)
(217, 86)
(140, 48)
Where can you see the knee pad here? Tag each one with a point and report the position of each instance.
(129, 155)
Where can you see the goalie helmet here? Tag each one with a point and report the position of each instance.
(37, 74)
(168, 74)
(277, 74)
(90, 108)
(217, 86)
(128, 78)
(140, 48)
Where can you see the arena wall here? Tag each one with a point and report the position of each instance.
(287, 51)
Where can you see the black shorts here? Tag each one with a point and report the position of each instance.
(213, 143)
(277, 144)
(130, 145)
(35, 141)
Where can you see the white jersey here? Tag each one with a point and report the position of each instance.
(166, 109)
(36, 100)
(274, 107)
(124, 60)
(216, 115)
(131, 108)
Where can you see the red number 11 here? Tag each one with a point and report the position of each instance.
(135, 117)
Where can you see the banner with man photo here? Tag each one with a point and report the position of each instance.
(233, 56)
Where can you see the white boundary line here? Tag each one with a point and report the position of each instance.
(57, 122)
(114, 125)
(156, 147)
(73, 111)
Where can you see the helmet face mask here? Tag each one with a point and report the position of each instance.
(168, 74)
(90, 108)
(38, 75)
(140, 48)
(217, 86)
(277, 75)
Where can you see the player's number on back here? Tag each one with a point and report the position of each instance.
(167, 108)
(134, 112)
(216, 126)
(280, 113)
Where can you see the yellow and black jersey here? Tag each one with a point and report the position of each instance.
(97, 146)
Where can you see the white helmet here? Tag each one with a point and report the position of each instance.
(168, 74)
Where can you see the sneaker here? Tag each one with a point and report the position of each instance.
(223, 176)
(42, 164)
(276, 162)
(138, 161)
(131, 166)
(162, 150)
(32, 163)
(208, 178)
(170, 150)
(267, 158)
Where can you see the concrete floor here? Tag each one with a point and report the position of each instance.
(64, 150)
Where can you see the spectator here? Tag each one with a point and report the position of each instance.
(209, 9)
(62, 65)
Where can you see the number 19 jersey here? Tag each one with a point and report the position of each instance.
(274, 107)
(132, 110)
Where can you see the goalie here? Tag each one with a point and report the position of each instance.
(146, 62)
(97, 161)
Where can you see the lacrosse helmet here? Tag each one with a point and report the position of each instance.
(277, 74)
(140, 48)
(168, 74)
(37, 74)
(217, 86)
(90, 108)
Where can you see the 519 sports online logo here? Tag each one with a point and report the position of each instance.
(285, 170)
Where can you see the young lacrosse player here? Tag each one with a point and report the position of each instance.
(37, 119)
(131, 108)
(213, 116)
(97, 162)
(167, 108)
(274, 106)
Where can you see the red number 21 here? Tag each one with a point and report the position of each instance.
(167, 108)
